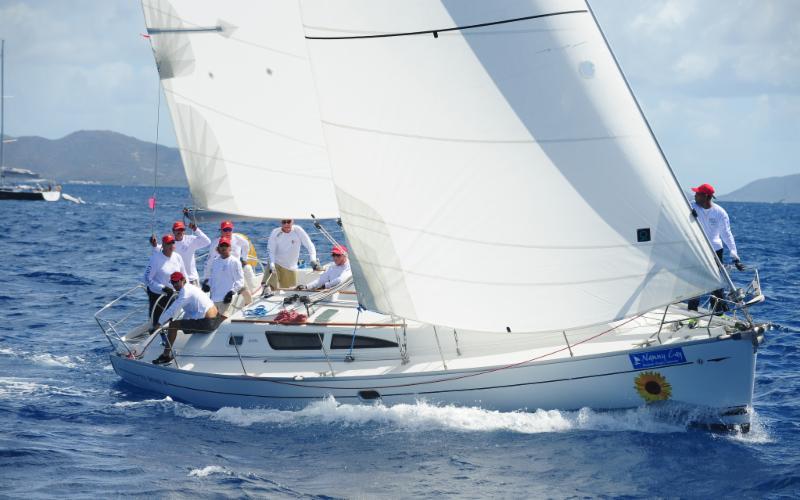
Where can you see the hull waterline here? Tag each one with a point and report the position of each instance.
(714, 384)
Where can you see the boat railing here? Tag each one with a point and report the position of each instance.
(116, 319)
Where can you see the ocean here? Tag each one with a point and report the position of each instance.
(69, 427)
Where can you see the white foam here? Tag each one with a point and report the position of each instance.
(208, 470)
(14, 387)
(424, 416)
(47, 359)
(759, 433)
(145, 402)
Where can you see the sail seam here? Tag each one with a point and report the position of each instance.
(477, 141)
(496, 243)
(251, 124)
(436, 32)
(259, 168)
(532, 284)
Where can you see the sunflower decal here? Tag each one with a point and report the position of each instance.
(652, 386)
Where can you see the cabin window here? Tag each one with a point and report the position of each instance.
(235, 340)
(343, 342)
(294, 341)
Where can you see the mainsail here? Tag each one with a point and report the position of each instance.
(493, 170)
(238, 84)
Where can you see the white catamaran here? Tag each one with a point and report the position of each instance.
(517, 238)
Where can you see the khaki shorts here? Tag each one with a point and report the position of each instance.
(283, 278)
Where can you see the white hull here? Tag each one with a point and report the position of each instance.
(716, 380)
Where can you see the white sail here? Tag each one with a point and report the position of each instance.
(238, 84)
(492, 168)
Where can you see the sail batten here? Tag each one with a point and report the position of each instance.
(239, 88)
(494, 177)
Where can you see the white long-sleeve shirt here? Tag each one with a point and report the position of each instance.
(332, 276)
(240, 248)
(187, 246)
(284, 248)
(717, 226)
(191, 300)
(159, 268)
(226, 276)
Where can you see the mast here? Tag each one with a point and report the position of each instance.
(2, 111)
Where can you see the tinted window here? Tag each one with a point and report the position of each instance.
(343, 342)
(235, 340)
(293, 341)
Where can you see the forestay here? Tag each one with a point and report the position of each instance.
(493, 170)
(238, 83)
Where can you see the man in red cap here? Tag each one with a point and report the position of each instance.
(240, 247)
(199, 314)
(186, 245)
(156, 276)
(335, 274)
(226, 277)
(716, 224)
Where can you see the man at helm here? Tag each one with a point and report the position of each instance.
(335, 274)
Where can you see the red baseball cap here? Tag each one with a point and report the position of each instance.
(704, 189)
(178, 226)
(339, 249)
(226, 224)
(167, 239)
(224, 241)
(176, 276)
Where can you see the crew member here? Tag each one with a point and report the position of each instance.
(240, 247)
(336, 273)
(226, 277)
(156, 276)
(199, 314)
(284, 250)
(716, 224)
(186, 245)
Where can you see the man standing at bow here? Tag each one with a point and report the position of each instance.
(284, 250)
(716, 224)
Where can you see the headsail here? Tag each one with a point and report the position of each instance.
(238, 84)
(492, 168)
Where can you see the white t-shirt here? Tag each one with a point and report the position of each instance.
(159, 269)
(284, 248)
(187, 247)
(240, 248)
(192, 301)
(226, 275)
(717, 226)
(332, 276)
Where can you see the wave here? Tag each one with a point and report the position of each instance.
(424, 416)
(209, 470)
(54, 277)
(44, 358)
(13, 387)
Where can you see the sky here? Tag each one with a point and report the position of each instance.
(719, 80)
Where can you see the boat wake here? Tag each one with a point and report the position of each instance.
(423, 416)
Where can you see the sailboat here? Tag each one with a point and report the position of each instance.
(17, 191)
(517, 237)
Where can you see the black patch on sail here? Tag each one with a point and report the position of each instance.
(643, 234)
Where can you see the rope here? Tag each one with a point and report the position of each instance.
(155, 162)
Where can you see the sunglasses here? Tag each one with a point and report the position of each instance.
(337, 255)
(227, 230)
(286, 221)
(178, 230)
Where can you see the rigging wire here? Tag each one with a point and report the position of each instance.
(153, 202)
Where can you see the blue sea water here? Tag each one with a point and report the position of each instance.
(70, 428)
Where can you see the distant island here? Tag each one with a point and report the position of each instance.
(96, 157)
(105, 157)
(784, 189)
